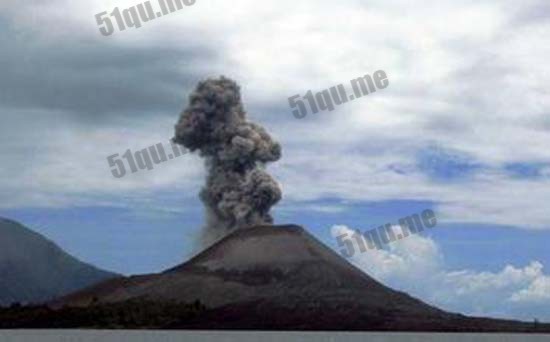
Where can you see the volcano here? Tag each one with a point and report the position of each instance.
(281, 277)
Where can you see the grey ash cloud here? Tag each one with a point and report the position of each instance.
(238, 191)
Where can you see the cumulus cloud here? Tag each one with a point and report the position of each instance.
(468, 77)
(416, 265)
(538, 290)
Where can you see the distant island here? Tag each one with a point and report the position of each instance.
(260, 278)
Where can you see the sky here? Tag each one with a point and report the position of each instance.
(463, 129)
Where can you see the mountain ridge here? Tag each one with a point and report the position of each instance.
(33, 269)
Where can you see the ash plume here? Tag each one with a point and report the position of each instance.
(238, 192)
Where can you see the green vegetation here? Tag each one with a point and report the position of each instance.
(131, 314)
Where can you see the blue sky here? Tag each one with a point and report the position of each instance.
(130, 243)
(463, 128)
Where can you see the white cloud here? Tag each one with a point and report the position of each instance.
(416, 265)
(538, 291)
(69, 166)
(468, 76)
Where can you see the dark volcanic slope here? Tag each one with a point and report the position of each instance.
(280, 277)
(33, 269)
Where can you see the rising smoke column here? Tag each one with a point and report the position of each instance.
(238, 191)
